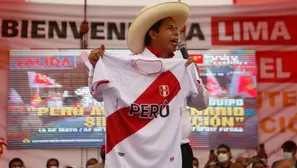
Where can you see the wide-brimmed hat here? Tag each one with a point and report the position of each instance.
(148, 16)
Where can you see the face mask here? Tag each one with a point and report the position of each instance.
(212, 163)
(90, 166)
(223, 157)
(53, 167)
(288, 155)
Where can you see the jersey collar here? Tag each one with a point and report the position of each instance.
(155, 53)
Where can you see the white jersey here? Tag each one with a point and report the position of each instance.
(143, 101)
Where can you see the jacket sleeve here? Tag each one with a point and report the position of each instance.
(199, 97)
(95, 94)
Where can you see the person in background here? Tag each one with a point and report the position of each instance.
(261, 155)
(224, 158)
(91, 162)
(102, 154)
(52, 163)
(212, 159)
(16, 163)
(195, 162)
(289, 151)
(259, 164)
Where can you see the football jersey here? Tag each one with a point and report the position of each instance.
(143, 101)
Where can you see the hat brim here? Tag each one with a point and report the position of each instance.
(147, 18)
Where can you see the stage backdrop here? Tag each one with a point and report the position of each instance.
(50, 106)
(269, 30)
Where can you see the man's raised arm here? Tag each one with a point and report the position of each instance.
(198, 101)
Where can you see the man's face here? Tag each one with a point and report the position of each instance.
(259, 165)
(52, 163)
(223, 151)
(16, 165)
(289, 153)
(289, 150)
(168, 35)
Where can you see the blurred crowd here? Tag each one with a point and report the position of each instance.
(54, 163)
(219, 158)
(222, 158)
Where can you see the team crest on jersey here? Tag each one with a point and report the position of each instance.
(164, 90)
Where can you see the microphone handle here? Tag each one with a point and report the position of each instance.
(184, 53)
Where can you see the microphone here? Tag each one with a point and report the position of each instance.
(182, 47)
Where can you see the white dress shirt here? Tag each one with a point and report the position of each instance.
(199, 102)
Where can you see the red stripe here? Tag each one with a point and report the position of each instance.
(98, 84)
(120, 125)
(101, 82)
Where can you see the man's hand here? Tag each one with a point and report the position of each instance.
(96, 54)
(190, 61)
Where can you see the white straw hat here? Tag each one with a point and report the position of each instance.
(148, 16)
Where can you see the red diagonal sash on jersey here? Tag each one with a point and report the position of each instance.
(120, 125)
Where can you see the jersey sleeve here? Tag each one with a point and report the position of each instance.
(199, 97)
(100, 82)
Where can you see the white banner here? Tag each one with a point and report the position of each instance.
(57, 26)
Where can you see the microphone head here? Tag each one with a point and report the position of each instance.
(181, 44)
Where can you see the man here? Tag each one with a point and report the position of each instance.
(52, 163)
(224, 158)
(155, 33)
(289, 151)
(16, 163)
(212, 159)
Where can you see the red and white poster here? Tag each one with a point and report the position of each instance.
(277, 99)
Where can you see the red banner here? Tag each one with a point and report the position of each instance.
(277, 66)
